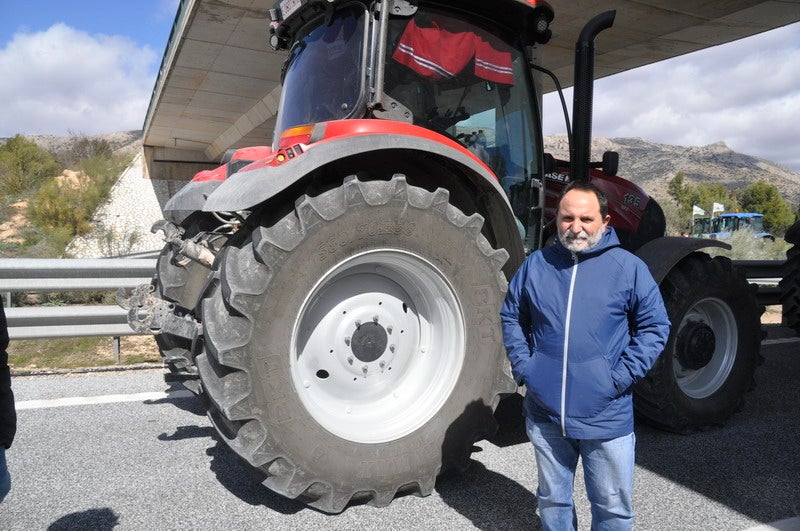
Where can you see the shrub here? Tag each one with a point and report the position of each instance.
(745, 246)
(61, 209)
(104, 171)
(24, 166)
(82, 147)
(113, 243)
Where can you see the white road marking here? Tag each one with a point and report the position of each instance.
(105, 399)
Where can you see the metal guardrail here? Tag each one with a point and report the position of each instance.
(55, 275)
(765, 274)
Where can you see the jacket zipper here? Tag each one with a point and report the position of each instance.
(566, 346)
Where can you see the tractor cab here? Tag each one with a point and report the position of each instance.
(467, 74)
(724, 225)
(454, 72)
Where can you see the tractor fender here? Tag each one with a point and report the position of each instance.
(246, 189)
(192, 196)
(662, 254)
(251, 187)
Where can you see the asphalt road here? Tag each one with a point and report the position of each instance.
(124, 450)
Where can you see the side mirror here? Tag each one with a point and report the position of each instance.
(610, 163)
(549, 163)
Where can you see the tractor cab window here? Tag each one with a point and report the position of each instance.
(701, 226)
(323, 77)
(726, 224)
(467, 82)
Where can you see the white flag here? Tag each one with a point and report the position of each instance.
(718, 207)
(697, 211)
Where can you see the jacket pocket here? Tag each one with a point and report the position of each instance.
(590, 388)
(542, 376)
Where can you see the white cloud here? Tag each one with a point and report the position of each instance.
(63, 80)
(746, 93)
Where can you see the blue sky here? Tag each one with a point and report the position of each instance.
(146, 22)
(89, 66)
(79, 66)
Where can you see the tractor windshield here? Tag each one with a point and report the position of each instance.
(322, 78)
(468, 81)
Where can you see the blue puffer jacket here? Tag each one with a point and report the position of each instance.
(566, 331)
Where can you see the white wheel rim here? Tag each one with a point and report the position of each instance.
(704, 382)
(378, 346)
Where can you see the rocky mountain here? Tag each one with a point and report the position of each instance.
(648, 164)
(119, 141)
(652, 165)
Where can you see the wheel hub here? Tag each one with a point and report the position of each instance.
(369, 342)
(378, 346)
(695, 345)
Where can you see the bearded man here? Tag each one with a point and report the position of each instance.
(583, 320)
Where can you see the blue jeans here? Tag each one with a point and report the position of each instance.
(5, 477)
(608, 473)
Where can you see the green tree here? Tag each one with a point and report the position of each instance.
(703, 195)
(677, 189)
(677, 222)
(24, 165)
(766, 199)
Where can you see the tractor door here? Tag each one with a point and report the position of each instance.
(468, 79)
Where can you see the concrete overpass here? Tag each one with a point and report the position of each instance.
(219, 82)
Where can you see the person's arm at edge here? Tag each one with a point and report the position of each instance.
(8, 415)
(515, 320)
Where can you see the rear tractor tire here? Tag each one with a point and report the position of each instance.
(790, 281)
(713, 348)
(353, 348)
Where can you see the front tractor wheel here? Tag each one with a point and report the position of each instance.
(713, 348)
(353, 347)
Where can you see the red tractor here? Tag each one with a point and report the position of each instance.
(334, 297)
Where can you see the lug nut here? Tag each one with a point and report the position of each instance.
(347, 341)
(364, 369)
(350, 360)
(374, 318)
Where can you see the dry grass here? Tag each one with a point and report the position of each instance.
(80, 353)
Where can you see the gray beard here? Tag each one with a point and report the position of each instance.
(584, 243)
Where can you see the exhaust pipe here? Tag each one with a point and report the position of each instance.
(583, 94)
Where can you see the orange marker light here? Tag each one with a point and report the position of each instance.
(296, 135)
